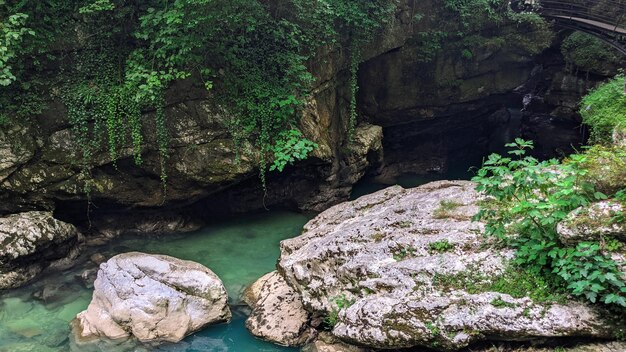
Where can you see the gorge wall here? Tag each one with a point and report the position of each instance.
(419, 112)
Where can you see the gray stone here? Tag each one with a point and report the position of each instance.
(593, 223)
(31, 242)
(375, 263)
(252, 294)
(278, 315)
(154, 298)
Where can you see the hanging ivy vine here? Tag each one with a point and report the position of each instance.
(251, 53)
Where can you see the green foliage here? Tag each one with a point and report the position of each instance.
(96, 6)
(251, 54)
(528, 198)
(429, 44)
(440, 246)
(291, 147)
(514, 281)
(524, 32)
(604, 109)
(12, 31)
(403, 252)
(518, 283)
(445, 209)
(340, 302)
(467, 54)
(587, 52)
(498, 302)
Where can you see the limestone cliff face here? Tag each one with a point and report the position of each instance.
(451, 94)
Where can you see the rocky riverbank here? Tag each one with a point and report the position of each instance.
(408, 267)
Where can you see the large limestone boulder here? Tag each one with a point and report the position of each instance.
(408, 267)
(154, 298)
(31, 242)
(278, 315)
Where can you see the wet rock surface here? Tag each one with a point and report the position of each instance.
(278, 315)
(408, 267)
(31, 242)
(153, 298)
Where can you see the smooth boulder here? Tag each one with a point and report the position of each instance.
(278, 315)
(153, 298)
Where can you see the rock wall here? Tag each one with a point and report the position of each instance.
(416, 116)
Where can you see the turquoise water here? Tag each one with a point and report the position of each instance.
(35, 318)
(408, 180)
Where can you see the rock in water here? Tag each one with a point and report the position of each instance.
(408, 267)
(32, 241)
(154, 298)
(278, 315)
(252, 294)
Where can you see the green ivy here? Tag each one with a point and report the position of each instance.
(251, 54)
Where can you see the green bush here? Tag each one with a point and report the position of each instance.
(527, 198)
(604, 109)
(340, 302)
(588, 53)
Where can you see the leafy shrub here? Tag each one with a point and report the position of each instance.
(587, 52)
(604, 109)
(526, 200)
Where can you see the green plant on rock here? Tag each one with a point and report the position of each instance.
(12, 31)
(527, 199)
(340, 302)
(403, 252)
(445, 209)
(604, 110)
(440, 246)
(587, 52)
(251, 54)
(498, 302)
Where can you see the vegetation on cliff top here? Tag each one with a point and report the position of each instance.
(587, 53)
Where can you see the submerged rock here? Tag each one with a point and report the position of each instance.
(154, 298)
(408, 267)
(278, 315)
(31, 242)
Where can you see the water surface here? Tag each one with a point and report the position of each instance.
(36, 317)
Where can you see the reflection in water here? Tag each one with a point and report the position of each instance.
(35, 318)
